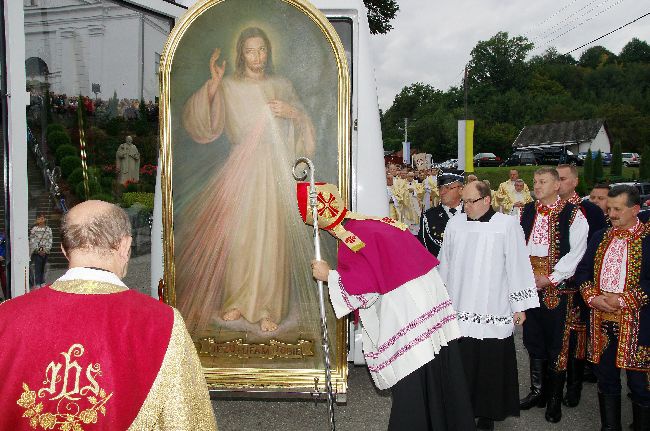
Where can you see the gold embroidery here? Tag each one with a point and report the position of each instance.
(178, 399)
(86, 287)
(74, 404)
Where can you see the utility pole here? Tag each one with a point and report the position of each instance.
(406, 130)
(466, 87)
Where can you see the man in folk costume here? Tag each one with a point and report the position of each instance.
(409, 324)
(598, 196)
(507, 188)
(434, 220)
(579, 314)
(88, 353)
(556, 236)
(512, 204)
(484, 264)
(614, 278)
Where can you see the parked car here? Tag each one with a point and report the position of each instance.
(558, 156)
(521, 158)
(607, 157)
(486, 159)
(631, 159)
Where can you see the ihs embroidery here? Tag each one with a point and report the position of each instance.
(70, 396)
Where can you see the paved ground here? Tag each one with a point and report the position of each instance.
(367, 409)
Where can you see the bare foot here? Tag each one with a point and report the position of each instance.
(268, 325)
(233, 314)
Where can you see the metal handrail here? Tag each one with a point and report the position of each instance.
(51, 173)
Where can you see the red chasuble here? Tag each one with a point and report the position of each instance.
(74, 361)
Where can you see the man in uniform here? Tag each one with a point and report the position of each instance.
(87, 352)
(507, 188)
(615, 281)
(434, 220)
(578, 315)
(556, 235)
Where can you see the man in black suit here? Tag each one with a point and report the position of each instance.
(434, 220)
(579, 314)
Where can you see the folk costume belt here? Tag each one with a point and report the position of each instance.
(539, 264)
(611, 317)
(551, 294)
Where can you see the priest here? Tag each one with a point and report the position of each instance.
(88, 353)
(485, 265)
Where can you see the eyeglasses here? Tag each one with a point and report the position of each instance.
(447, 188)
(472, 201)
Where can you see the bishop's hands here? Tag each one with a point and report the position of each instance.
(216, 72)
(320, 269)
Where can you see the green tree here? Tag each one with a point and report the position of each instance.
(644, 168)
(596, 56)
(635, 51)
(380, 13)
(599, 174)
(616, 168)
(500, 61)
(588, 169)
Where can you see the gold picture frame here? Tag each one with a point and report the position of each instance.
(240, 360)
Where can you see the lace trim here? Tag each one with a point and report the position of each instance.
(483, 319)
(522, 295)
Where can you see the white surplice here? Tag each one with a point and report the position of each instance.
(488, 275)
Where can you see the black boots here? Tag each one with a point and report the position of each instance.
(641, 417)
(574, 371)
(536, 397)
(554, 404)
(610, 412)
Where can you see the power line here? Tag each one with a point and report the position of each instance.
(553, 15)
(556, 27)
(586, 21)
(607, 34)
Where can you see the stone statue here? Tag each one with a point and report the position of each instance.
(127, 162)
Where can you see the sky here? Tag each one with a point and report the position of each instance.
(431, 41)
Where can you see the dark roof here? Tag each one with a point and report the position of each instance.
(566, 133)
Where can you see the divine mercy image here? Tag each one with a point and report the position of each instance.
(242, 253)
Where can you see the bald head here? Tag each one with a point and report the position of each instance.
(95, 227)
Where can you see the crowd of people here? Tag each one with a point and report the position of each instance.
(572, 271)
(126, 108)
(438, 312)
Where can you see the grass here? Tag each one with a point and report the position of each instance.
(498, 175)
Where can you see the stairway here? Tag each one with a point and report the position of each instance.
(39, 201)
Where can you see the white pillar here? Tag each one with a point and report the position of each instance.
(17, 156)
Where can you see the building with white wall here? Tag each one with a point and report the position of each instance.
(576, 136)
(78, 43)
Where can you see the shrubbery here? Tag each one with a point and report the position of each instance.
(94, 188)
(69, 164)
(57, 139)
(65, 151)
(145, 199)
